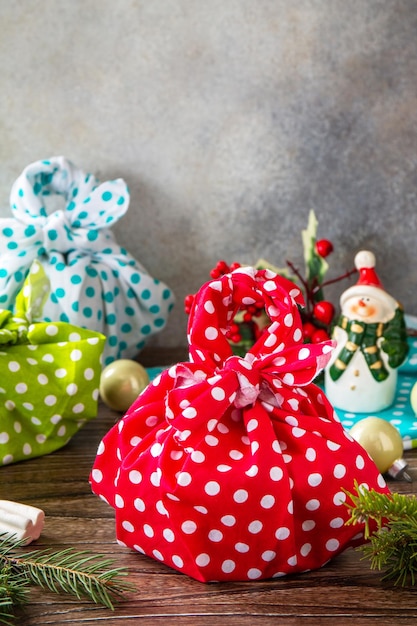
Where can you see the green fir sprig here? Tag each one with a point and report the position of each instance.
(13, 592)
(392, 546)
(78, 573)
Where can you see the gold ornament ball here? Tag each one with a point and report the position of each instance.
(381, 440)
(121, 382)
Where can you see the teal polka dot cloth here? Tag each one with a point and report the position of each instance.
(95, 283)
(50, 376)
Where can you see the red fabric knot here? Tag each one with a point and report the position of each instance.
(248, 377)
(217, 303)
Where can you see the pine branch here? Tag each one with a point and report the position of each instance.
(78, 573)
(393, 545)
(13, 593)
(13, 583)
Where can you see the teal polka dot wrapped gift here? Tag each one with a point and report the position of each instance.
(95, 283)
(50, 376)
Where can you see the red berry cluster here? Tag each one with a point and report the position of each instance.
(251, 322)
(318, 315)
(222, 268)
(316, 325)
(188, 303)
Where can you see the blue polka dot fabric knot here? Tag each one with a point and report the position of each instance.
(95, 283)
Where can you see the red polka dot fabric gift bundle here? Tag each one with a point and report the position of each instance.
(95, 283)
(235, 468)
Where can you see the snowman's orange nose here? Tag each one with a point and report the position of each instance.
(362, 302)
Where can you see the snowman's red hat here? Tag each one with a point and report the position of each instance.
(368, 284)
(365, 264)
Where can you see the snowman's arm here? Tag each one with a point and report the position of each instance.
(394, 342)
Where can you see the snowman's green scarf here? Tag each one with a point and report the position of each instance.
(364, 337)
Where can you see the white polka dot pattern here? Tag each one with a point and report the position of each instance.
(95, 283)
(46, 394)
(251, 463)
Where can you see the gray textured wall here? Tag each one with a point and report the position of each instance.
(229, 120)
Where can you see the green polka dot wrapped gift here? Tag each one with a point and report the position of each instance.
(50, 375)
(95, 283)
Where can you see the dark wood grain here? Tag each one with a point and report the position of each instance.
(345, 591)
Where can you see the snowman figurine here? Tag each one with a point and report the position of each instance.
(371, 343)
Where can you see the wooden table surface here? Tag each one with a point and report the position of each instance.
(346, 591)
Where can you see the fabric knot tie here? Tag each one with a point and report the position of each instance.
(91, 208)
(57, 235)
(248, 376)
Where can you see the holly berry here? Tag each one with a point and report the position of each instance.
(324, 247)
(219, 269)
(188, 303)
(323, 311)
(233, 333)
(319, 336)
(235, 337)
(308, 331)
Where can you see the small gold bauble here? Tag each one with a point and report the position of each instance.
(381, 440)
(121, 382)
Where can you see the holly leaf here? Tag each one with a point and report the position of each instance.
(316, 266)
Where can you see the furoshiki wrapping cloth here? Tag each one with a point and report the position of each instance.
(50, 376)
(95, 283)
(232, 468)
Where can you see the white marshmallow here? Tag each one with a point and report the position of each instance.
(21, 521)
